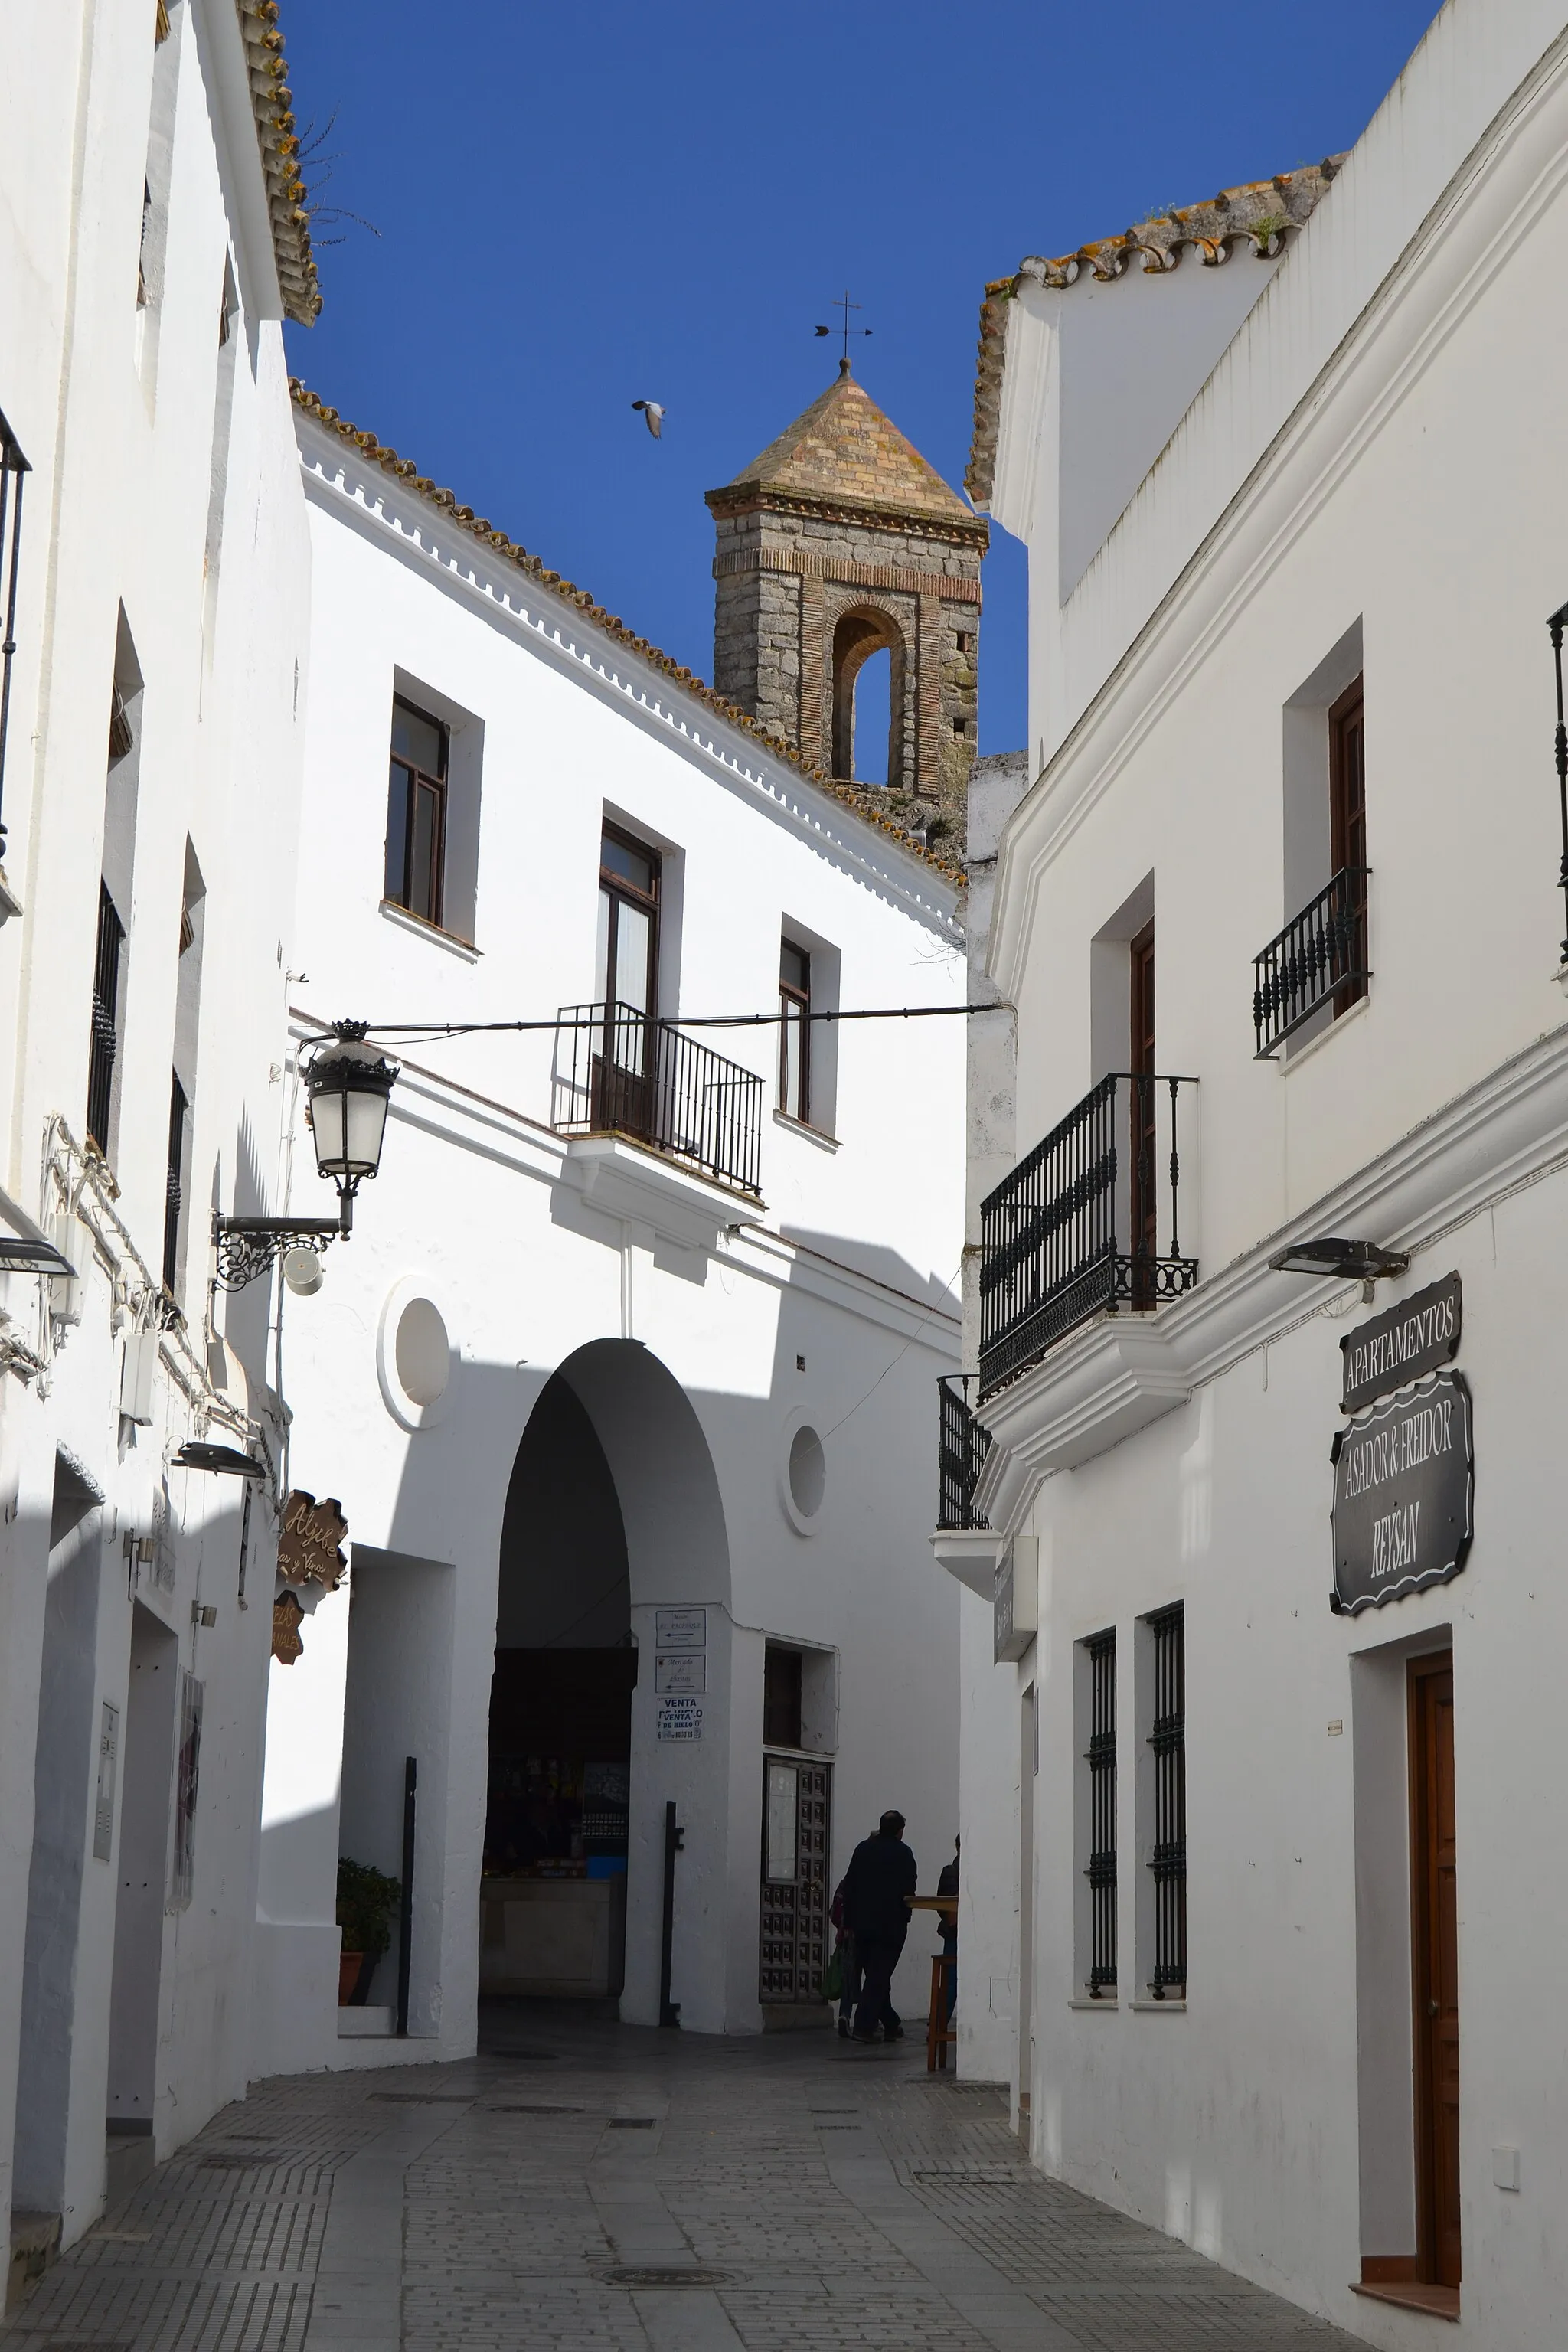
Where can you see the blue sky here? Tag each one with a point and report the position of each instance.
(580, 206)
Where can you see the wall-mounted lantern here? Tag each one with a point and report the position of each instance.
(347, 1084)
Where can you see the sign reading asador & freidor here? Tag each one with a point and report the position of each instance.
(1403, 1486)
(1418, 1336)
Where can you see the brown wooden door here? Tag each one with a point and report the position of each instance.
(1434, 1934)
(1144, 1237)
(1347, 817)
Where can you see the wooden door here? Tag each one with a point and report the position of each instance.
(1144, 1237)
(1347, 821)
(1435, 1936)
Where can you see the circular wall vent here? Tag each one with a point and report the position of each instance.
(804, 1480)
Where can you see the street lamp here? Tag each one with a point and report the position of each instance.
(1362, 1262)
(347, 1084)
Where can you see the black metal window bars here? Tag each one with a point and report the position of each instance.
(620, 1072)
(1168, 1862)
(961, 1454)
(1088, 1221)
(1320, 957)
(104, 1041)
(14, 470)
(1100, 1757)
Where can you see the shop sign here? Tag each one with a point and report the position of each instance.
(1403, 1485)
(680, 1629)
(680, 1719)
(1418, 1336)
(310, 1546)
(1017, 1600)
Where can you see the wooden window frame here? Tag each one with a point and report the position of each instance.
(420, 780)
(792, 998)
(615, 886)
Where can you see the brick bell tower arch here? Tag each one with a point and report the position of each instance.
(838, 541)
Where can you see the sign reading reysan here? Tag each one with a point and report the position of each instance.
(1404, 1481)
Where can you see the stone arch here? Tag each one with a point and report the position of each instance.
(865, 629)
(613, 1519)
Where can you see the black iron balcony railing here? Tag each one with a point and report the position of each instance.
(961, 1454)
(1319, 958)
(620, 1072)
(1089, 1222)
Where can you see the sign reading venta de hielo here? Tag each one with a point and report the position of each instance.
(1405, 1467)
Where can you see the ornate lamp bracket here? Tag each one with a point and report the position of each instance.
(247, 1246)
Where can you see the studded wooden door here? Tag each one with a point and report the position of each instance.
(797, 1825)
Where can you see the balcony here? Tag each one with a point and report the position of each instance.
(619, 1072)
(962, 1449)
(1090, 1224)
(1319, 959)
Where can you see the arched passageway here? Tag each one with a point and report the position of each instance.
(867, 695)
(613, 1521)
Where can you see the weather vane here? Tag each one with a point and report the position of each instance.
(842, 302)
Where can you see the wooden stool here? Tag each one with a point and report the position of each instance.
(940, 2029)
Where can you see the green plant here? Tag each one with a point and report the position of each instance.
(367, 1899)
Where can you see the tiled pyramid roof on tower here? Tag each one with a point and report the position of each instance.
(844, 451)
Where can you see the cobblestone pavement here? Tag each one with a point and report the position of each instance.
(586, 2186)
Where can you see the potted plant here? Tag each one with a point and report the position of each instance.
(367, 1899)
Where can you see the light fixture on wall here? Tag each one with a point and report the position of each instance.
(1352, 1261)
(347, 1085)
(225, 1461)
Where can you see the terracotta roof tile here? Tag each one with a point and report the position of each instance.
(845, 451)
(854, 800)
(1257, 216)
(272, 101)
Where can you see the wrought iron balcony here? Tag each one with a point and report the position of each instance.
(960, 1454)
(1320, 958)
(620, 1072)
(1088, 1224)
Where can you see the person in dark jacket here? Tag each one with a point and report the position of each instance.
(878, 1885)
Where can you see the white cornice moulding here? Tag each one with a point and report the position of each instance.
(1116, 1375)
(370, 500)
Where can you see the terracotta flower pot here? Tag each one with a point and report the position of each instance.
(349, 1967)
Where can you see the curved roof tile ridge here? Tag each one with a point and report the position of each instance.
(273, 102)
(1257, 215)
(852, 799)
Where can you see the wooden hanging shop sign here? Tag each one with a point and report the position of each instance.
(1417, 1337)
(1404, 1489)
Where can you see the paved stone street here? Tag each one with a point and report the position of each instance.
(588, 2187)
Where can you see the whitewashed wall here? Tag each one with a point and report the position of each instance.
(120, 411)
(852, 1264)
(1417, 492)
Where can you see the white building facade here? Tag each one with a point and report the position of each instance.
(153, 597)
(1261, 1909)
(623, 1383)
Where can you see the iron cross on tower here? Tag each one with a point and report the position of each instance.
(842, 302)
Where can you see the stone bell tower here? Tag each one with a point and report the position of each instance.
(838, 541)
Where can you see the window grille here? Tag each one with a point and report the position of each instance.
(105, 1039)
(1168, 1864)
(1101, 1755)
(172, 1191)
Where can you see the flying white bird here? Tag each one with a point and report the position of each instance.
(653, 415)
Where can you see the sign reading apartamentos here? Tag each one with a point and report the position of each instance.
(1404, 1481)
(1418, 1336)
